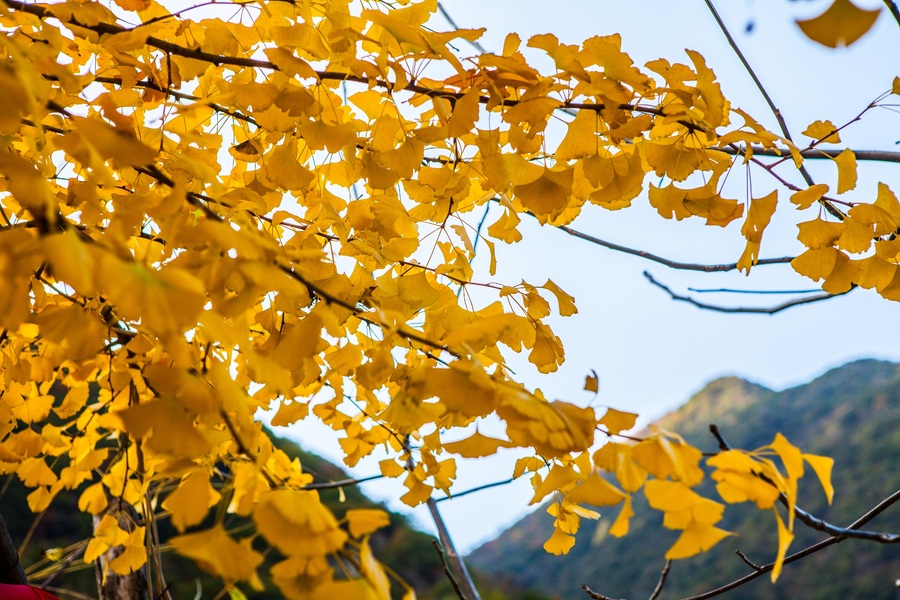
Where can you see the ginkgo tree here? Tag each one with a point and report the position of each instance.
(215, 209)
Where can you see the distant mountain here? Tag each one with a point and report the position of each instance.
(851, 414)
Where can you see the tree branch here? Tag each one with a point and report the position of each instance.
(892, 6)
(486, 486)
(328, 485)
(239, 61)
(810, 520)
(874, 512)
(595, 595)
(662, 580)
(815, 153)
(665, 261)
(765, 94)
(466, 584)
(744, 309)
(447, 571)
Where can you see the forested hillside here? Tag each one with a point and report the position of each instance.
(851, 414)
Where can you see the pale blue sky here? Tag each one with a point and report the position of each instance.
(651, 353)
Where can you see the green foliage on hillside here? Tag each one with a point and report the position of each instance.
(406, 550)
(851, 414)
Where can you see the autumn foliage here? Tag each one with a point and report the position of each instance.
(263, 205)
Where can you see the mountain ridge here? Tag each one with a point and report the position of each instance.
(851, 413)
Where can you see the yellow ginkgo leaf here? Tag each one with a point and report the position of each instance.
(785, 537)
(135, 5)
(465, 113)
(617, 421)
(592, 382)
(363, 521)
(134, 555)
(840, 25)
(559, 543)
(477, 445)
(298, 524)
(566, 302)
(119, 146)
(846, 164)
(597, 491)
(190, 503)
(823, 131)
(805, 198)
(822, 466)
(217, 553)
(696, 538)
(418, 492)
(620, 526)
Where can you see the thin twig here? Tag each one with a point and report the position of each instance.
(747, 561)
(327, 485)
(477, 489)
(446, 15)
(595, 595)
(895, 11)
(62, 565)
(662, 581)
(744, 309)
(737, 291)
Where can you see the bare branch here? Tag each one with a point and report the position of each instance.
(662, 580)
(486, 486)
(466, 583)
(874, 512)
(447, 571)
(328, 485)
(743, 309)
(765, 94)
(739, 291)
(665, 261)
(815, 153)
(747, 561)
(595, 595)
(895, 11)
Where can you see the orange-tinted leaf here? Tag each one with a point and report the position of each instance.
(840, 25)
(592, 382)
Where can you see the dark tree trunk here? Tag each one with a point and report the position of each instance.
(114, 586)
(11, 570)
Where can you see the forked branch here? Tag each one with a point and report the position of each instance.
(743, 309)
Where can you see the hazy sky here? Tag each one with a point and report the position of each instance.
(651, 353)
